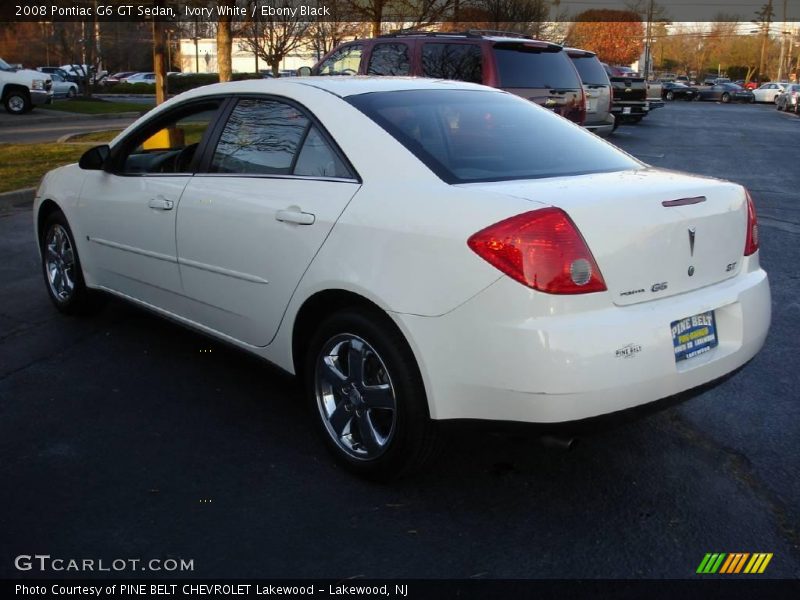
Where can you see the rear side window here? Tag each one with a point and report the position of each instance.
(260, 138)
(463, 62)
(525, 67)
(590, 70)
(345, 61)
(469, 136)
(389, 60)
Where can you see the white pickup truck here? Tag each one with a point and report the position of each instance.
(22, 89)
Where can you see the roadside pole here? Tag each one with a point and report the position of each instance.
(160, 56)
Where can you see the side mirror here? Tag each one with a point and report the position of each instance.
(304, 72)
(95, 158)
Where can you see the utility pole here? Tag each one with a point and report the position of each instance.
(648, 33)
(160, 55)
(784, 34)
(765, 24)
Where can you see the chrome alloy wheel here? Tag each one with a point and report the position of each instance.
(16, 104)
(355, 396)
(59, 263)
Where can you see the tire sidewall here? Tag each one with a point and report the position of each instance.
(411, 408)
(79, 300)
(26, 103)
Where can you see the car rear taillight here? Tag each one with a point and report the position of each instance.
(541, 249)
(751, 243)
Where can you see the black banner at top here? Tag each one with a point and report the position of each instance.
(492, 13)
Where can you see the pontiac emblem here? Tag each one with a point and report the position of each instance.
(692, 231)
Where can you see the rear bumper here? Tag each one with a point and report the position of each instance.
(601, 127)
(511, 354)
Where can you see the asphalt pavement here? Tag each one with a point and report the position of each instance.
(49, 126)
(124, 435)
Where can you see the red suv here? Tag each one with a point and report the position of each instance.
(536, 70)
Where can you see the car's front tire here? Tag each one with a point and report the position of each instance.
(670, 96)
(366, 395)
(17, 102)
(61, 268)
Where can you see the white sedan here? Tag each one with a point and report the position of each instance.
(769, 92)
(415, 251)
(62, 87)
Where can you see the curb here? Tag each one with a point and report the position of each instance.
(18, 198)
(60, 116)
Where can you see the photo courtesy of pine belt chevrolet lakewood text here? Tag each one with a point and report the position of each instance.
(415, 251)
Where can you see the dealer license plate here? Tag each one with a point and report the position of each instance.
(693, 336)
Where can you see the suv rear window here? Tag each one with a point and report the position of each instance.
(525, 67)
(469, 136)
(590, 70)
(452, 61)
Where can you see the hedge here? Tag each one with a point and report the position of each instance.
(175, 83)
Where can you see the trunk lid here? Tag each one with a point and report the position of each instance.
(653, 233)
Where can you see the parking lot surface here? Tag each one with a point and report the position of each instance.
(126, 436)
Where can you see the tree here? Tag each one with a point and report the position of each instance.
(520, 16)
(615, 35)
(418, 13)
(224, 41)
(273, 38)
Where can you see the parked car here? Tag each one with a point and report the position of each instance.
(748, 85)
(629, 104)
(787, 100)
(538, 71)
(137, 78)
(684, 79)
(596, 90)
(59, 71)
(677, 91)
(769, 92)
(725, 93)
(62, 87)
(80, 72)
(23, 89)
(364, 228)
(116, 78)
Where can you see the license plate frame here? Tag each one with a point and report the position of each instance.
(694, 335)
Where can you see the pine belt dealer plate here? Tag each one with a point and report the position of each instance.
(693, 336)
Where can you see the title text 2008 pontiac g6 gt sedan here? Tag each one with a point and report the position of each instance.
(415, 251)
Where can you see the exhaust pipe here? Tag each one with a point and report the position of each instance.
(561, 442)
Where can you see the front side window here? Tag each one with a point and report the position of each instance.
(168, 145)
(463, 62)
(391, 60)
(344, 61)
(470, 136)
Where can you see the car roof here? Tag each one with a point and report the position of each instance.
(341, 86)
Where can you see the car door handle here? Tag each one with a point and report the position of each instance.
(161, 203)
(295, 215)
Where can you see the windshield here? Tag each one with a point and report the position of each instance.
(590, 70)
(525, 67)
(5, 66)
(471, 136)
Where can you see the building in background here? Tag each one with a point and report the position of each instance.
(199, 55)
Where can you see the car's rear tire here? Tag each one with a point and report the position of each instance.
(366, 395)
(61, 268)
(726, 97)
(72, 92)
(17, 102)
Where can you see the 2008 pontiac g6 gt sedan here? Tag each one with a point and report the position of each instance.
(415, 251)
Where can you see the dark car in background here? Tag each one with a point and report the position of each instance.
(536, 70)
(596, 89)
(673, 90)
(789, 98)
(725, 93)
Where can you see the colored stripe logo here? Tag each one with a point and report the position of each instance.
(734, 563)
